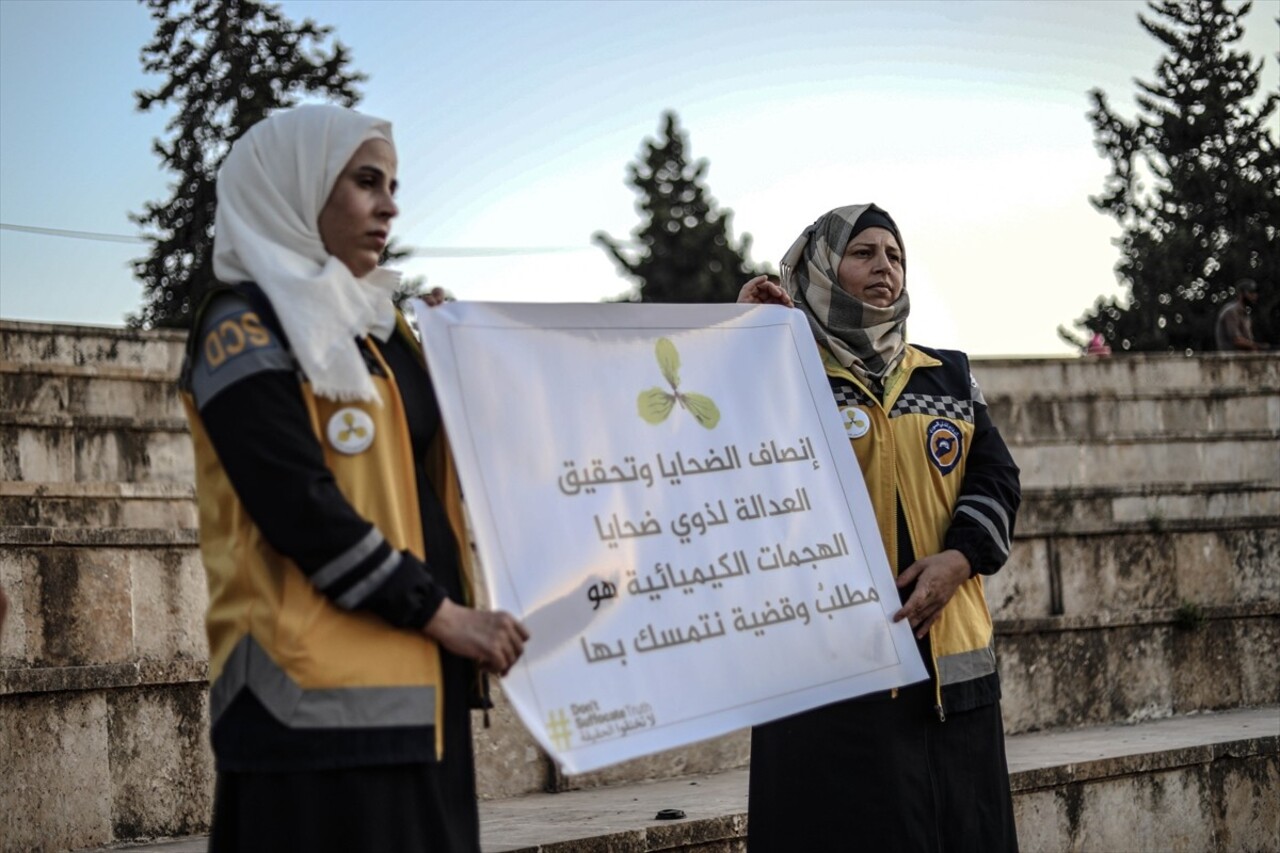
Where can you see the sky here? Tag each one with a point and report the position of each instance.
(515, 122)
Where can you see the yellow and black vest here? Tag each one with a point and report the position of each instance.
(312, 665)
(915, 447)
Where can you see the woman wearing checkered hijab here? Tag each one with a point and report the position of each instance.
(921, 768)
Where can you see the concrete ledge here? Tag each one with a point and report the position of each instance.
(1207, 782)
(1127, 373)
(100, 491)
(113, 389)
(1125, 507)
(1132, 619)
(52, 343)
(1050, 759)
(84, 769)
(1053, 575)
(89, 391)
(1105, 669)
(1248, 458)
(54, 449)
(84, 597)
(102, 504)
(110, 537)
(145, 673)
(89, 423)
(123, 372)
(1141, 414)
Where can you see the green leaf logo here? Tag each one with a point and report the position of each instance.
(655, 404)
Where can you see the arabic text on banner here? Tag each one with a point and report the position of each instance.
(666, 496)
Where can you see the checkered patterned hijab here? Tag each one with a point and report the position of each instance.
(869, 341)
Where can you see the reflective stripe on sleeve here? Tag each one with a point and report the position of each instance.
(1000, 536)
(335, 569)
(362, 590)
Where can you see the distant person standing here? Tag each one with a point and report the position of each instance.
(1234, 331)
(1097, 346)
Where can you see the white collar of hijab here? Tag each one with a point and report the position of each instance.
(271, 189)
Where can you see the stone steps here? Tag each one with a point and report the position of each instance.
(1100, 417)
(1172, 459)
(58, 366)
(1124, 375)
(1076, 550)
(1201, 782)
(1144, 787)
(92, 391)
(1044, 512)
(86, 767)
(1083, 510)
(110, 504)
(1143, 584)
(1236, 562)
(69, 449)
(49, 344)
(97, 389)
(161, 351)
(1047, 576)
(89, 597)
(1067, 671)
(95, 598)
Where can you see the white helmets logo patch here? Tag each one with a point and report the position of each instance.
(350, 431)
(856, 421)
(945, 445)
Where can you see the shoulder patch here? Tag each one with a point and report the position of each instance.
(233, 344)
(944, 444)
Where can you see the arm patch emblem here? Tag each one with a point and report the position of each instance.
(945, 445)
(234, 345)
(232, 336)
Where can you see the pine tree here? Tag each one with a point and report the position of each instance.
(1194, 183)
(229, 63)
(685, 252)
(410, 287)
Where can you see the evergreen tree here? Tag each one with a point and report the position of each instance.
(229, 63)
(410, 286)
(685, 252)
(1194, 183)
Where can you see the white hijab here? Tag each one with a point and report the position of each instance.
(271, 189)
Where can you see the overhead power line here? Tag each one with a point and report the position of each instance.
(76, 235)
(414, 252)
(488, 251)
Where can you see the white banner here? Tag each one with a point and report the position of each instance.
(666, 496)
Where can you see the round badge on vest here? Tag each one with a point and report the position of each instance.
(350, 431)
(856, 421)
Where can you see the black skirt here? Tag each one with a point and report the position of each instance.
(396, 808)
(881, 774)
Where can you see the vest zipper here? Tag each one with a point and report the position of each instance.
(897, 504)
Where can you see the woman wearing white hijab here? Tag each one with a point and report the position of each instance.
(921, 768)
(343, 647)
